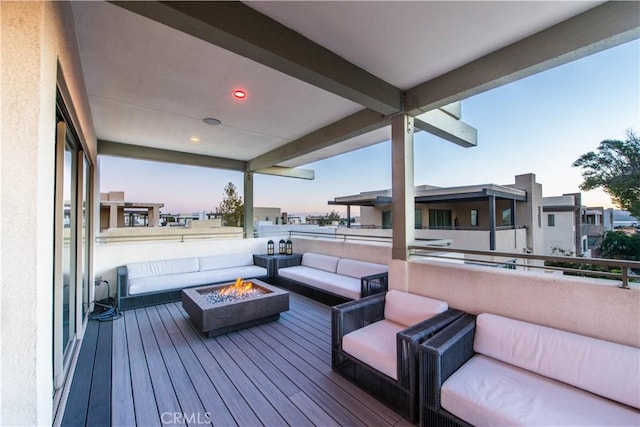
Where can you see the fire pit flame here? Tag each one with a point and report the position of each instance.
(240, 290)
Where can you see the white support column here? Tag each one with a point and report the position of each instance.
(154, 216)
(248, 205)
(113, 216)
(403, 192)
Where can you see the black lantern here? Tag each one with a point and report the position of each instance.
(289, 247)
(282, 247)
(270, 247)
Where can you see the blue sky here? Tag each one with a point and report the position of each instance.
(540, 124)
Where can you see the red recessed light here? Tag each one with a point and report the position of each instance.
(239, 94)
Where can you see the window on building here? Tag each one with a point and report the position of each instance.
(474, 217)
(386, 220)
(418, 219)
(439, 218)
(506, 217)
(551, 220)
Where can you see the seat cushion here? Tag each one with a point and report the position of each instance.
(613, 369)
(345, 286)
(375, 345)
(177, 281)
(359, 269)
(486, 392)
(321, 262)
(159, 268)
(409, 309)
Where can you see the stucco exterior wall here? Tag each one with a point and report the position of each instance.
(35, 38)
(380, 253)
(598, 309)
(562, 235)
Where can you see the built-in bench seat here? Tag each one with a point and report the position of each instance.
(331, 279)
(495, 370)
(155, 282)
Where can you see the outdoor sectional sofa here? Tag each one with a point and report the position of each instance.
(495, 370)
(155, 282)
(329, 279)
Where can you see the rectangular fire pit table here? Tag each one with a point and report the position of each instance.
(215, 319)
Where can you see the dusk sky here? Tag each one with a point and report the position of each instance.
(540, 124)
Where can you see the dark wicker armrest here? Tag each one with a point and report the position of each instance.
(122, 283)
(264, 262)
(442, 355)
(409, 339)
(354, 315)
(374, 284)
(290, 261)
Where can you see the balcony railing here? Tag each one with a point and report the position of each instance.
(625, 272)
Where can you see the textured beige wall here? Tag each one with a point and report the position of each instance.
(599, 309)
(35, 35)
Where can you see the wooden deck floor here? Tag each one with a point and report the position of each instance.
(163, 371)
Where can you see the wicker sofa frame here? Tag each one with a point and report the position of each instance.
(401, 395)
(369, 285)
(440, 357)
(127, 302)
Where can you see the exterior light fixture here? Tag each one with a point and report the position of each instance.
(282, 247)
(270, 247)
(194, 139)
(211, 121)
(289, 247)
(239, 94)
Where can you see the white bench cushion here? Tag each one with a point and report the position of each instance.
(345, 286)
(160, 268)
(176, 281)
(319, 261)
(608, 369)
(486, 392)
(225, 261)
(408, 309)
(375, 345)
(359, 269)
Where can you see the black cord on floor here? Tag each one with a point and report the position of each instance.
(106, 309)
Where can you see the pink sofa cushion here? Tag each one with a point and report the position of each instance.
(409, 309)
(608, 369)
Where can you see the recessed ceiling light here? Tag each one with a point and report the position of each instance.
(239, 94)
(194, 139)
(211, 121)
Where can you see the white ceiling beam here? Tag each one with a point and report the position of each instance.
(356, 124)
(238, 28)
(118, 149)
(446, 126)
(288, 172)
(597, 29)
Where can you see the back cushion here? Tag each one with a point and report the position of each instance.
(215, 262)
(409, 309)
(136, 270)
(608, 369)
(358, 269)
(321, 262)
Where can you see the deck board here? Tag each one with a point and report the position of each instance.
(164, 371)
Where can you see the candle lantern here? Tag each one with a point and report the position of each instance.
(282, 247)
(289, 247)
(270, 247)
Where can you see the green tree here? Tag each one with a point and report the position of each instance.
(329, 218)
(615, 167)
(620, 245)
(231, 208)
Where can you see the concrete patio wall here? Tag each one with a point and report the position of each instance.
(596, 308)
(372, 252)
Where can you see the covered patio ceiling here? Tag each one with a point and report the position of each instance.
(322, 78)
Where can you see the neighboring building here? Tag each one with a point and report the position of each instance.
(570, 227)
(483, 217)
(115, 212)
(266, 215)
